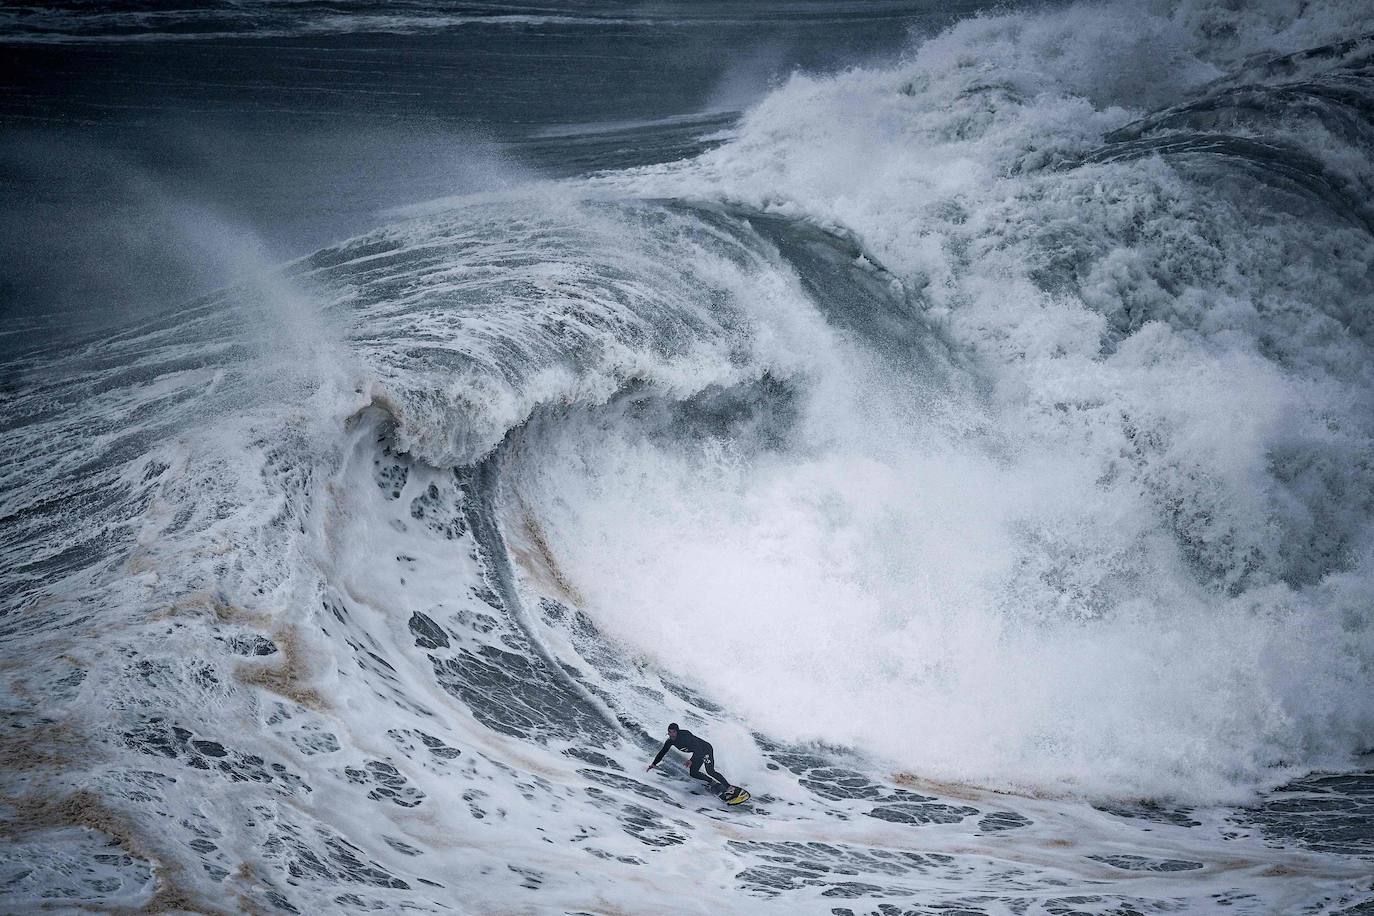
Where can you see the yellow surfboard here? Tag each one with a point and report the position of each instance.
(743, 796)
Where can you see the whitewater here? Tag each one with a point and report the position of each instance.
(976, 446)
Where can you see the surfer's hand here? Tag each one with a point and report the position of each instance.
(648, 768)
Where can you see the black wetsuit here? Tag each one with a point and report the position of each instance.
(703, 755)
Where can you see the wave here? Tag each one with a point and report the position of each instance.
(956, 442)
(270, 20)
(1172, 322)
(79, 23)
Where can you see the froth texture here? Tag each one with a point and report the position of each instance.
(1148, 571)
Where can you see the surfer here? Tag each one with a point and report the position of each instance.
(703, 757)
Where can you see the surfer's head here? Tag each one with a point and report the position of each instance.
(672, 729)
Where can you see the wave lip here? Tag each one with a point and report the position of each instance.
(470, 321)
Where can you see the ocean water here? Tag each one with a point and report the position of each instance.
(963, 418)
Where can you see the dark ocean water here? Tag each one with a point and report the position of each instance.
(292, 125)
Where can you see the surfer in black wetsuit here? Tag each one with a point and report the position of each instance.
(703, 756)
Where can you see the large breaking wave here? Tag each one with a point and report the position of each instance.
(1124, 562)
(1001, 419)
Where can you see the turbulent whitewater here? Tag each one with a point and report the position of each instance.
(978, 449)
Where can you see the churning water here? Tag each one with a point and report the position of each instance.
(975, 443)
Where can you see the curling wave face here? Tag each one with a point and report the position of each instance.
(1031, 456)
(1131, 580)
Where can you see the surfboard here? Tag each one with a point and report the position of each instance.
(740, 796)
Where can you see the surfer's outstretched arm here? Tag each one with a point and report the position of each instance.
(661, 751)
